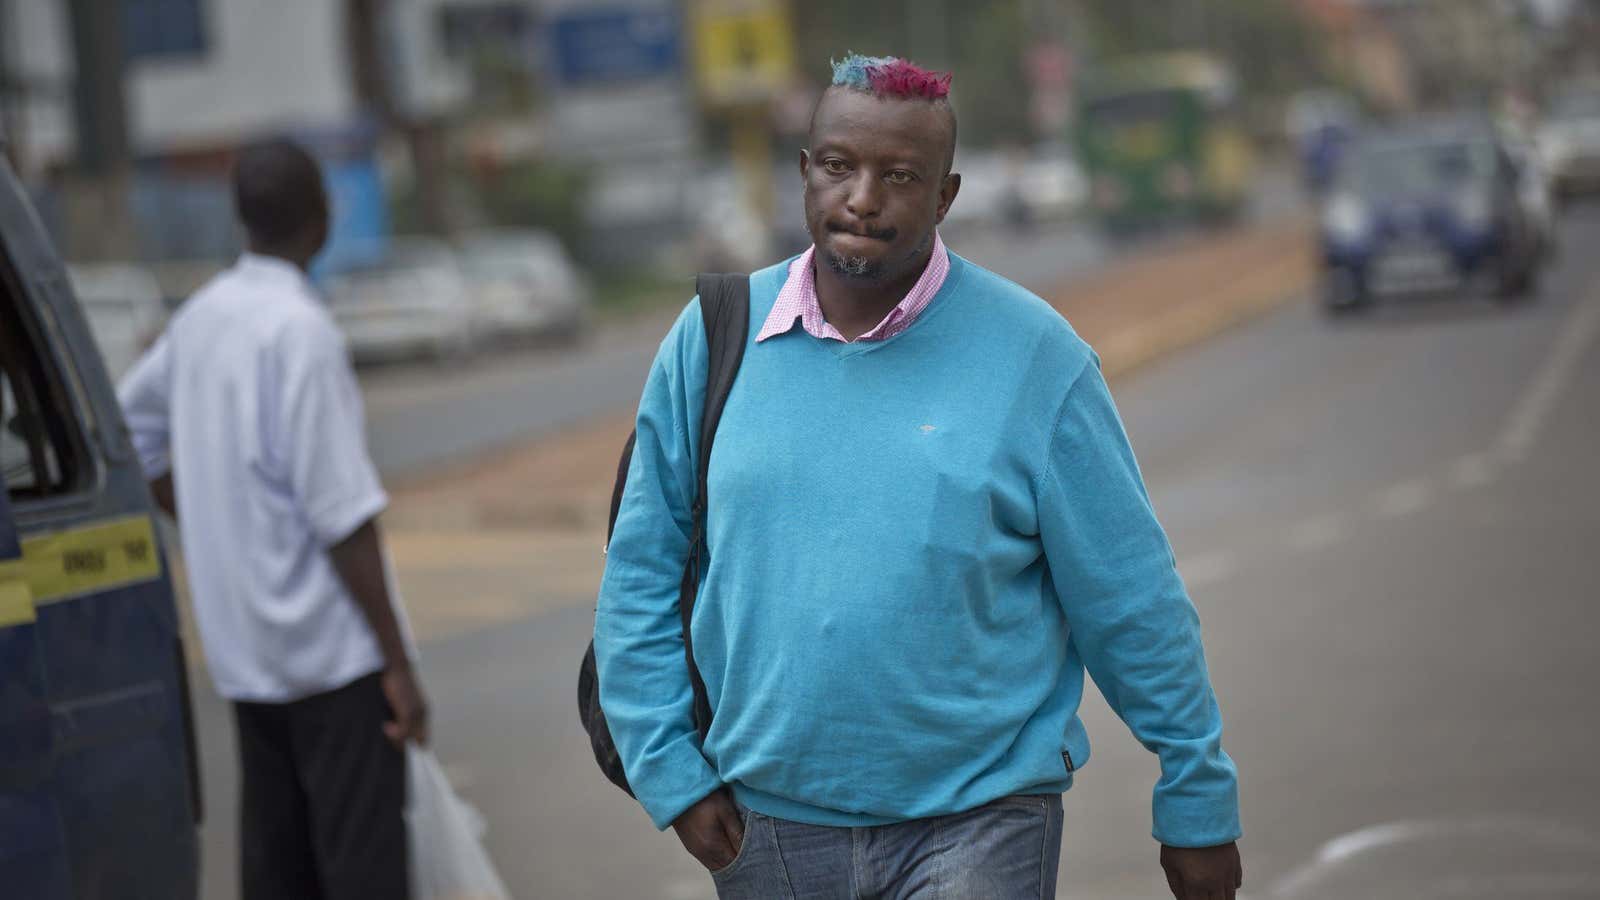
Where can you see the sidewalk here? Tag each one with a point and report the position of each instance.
(521, 532)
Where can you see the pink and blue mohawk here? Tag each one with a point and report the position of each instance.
(890, 76)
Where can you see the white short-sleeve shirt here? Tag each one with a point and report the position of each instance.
(250, 401)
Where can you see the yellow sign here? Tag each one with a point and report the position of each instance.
(16, 603)
(66, 564)
(743, 49)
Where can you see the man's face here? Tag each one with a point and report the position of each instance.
(875, 182)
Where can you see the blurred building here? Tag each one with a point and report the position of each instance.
(198, 78)
(1463, 51)
(1365, 51)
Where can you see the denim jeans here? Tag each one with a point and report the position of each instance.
(1005, 850)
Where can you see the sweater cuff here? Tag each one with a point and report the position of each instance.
(672, 780)
(1198, 821)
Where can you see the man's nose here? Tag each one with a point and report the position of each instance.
(865, 199)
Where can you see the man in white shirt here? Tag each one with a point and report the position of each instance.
(248, 421)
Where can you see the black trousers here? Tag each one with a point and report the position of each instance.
(322, 798)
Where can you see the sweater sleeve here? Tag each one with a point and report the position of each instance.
(638, 636)
(1131, 618)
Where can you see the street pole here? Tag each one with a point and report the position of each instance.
(97, 198)
(371, 78)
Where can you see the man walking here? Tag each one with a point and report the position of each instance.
(248, 421)
(924, 524)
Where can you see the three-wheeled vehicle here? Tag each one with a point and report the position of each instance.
(1160, 139)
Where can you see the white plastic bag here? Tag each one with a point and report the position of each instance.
(448, 861)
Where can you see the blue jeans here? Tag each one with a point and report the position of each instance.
(1005, 850)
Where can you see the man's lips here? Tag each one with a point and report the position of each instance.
(885, 235)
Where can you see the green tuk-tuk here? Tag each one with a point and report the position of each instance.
(1159, 138)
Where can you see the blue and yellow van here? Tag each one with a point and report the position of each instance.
(99, 789)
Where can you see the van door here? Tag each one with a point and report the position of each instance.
(33, 858)
(98, 794)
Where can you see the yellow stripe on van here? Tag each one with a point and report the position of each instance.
(16, 601)
(100, 557)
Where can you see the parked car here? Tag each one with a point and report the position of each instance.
(1051, 183)
(417, 302)
(1569, 139)
(988, 194)
(124, 307)
(1427, 208)
(524, 286)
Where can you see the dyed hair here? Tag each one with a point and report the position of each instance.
(890, 76)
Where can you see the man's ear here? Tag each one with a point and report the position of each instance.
(947, 195)
(805, 163)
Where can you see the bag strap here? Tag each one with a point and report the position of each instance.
(725, 310)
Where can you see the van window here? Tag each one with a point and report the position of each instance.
(40, 448)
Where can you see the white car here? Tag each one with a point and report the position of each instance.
(416, 303)
(524, 286)
(124, 306)
(1053, 186)
(1569, 139)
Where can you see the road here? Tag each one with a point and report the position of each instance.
(1389, 526)
(419, 417)
(423, 416)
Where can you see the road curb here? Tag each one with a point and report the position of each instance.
(1251, 297)
(1133, 313)
(1147, 307)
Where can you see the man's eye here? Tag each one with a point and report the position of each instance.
(899, 177)
(836, 166)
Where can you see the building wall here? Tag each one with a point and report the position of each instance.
(38, 53)
(266, 64)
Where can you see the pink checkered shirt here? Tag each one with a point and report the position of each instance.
(798, 300)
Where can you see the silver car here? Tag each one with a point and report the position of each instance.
(125, 309)
(416, 303)
(1569, 139)
(524, 286)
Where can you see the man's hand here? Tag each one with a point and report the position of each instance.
(712, 830)
(1207, 873)
(410, 708)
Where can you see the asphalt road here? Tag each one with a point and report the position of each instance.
(423, 415)
(1389, 524)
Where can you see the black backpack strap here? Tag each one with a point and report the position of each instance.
(725, 309)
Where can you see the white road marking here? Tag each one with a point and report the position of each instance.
(1472, 471)
(1207, 568)
(1334, 854)
(1316, 533)
(1403, 498)
(1533, 407)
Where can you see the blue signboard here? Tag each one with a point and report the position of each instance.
(359, 232)
(615, 45)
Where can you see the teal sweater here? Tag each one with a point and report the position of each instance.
(916, 547)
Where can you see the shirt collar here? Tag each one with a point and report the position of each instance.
(259, 265)
(797, 300)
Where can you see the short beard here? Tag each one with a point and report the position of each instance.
(861, 269)
(854, 267)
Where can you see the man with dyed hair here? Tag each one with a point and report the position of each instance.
(924, 525)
